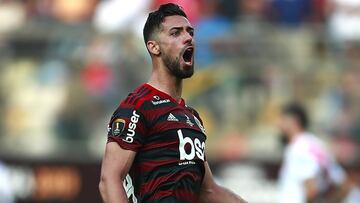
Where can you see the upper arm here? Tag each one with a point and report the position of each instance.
(303, 165)
(127, 127)
(306, 168)
(117, 161)
(126, 132)
(208, 183)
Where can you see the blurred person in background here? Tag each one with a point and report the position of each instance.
(290, 13)
(6, 195)
(214, 22)
(344, 22)
(156, 143)
(309, 172)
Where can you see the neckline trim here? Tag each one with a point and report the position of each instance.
(164, 94)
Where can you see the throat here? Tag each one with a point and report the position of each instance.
(172, 86)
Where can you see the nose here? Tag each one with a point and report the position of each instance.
(188, 38)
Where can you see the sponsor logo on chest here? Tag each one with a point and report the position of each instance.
(157, 100)
(196, 148)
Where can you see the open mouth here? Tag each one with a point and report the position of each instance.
(188, 55)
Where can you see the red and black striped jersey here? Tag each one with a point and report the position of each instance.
(169, 139)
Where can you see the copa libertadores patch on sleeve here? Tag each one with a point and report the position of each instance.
(117, 127)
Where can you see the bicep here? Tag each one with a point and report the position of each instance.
(303, 165)
(127, 127)
(117, 161)
(208, 186)
(208, 181)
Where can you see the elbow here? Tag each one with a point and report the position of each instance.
(103, 185)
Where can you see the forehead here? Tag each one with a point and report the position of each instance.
(287, 116)
(175, 21)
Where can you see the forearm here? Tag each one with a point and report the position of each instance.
(112, 191)
(311, 190)
(219, 194)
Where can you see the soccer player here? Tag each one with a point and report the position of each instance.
(309, 172)
(156, 143)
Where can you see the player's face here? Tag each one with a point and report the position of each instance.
(176, 40)
(286, 124)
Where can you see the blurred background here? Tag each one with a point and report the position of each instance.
(66, 64)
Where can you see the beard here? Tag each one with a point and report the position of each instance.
(283, 140)
(173, 66)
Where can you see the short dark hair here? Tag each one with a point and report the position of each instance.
(297, 111)
(155, 18)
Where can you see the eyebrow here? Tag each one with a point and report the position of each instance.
(180, 28)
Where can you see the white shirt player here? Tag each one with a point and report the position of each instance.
(345, 20)
(6, 194)
(307, 158)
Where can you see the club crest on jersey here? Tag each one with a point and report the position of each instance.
(117, 127)
(188, 121)
(198, 123)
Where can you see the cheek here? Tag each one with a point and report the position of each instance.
(283, 124)
(166, 49)
(170, 47)
(279, 124)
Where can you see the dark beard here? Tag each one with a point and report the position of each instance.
(174, 67)
(284, 140)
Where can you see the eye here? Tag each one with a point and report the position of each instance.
(191, 33)
(175, 33)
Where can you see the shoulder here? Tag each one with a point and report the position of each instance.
(309, 141)
(133, 104)
(310, 147)
(136, 99)
(193, 111)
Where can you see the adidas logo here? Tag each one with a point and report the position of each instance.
(171, 117)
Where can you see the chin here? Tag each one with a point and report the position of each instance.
(188, 76)
(187, 72)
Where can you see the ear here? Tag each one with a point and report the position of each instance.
(153, 47)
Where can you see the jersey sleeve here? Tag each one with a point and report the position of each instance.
(305, 166)
(127, 127)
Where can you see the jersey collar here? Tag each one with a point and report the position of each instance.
(163, 94)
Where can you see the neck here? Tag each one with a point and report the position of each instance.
(295, 134)
(164, 81)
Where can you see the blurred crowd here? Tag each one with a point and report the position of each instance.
(65, 65)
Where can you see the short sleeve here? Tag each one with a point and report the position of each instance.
(127, 127)
(305, 165)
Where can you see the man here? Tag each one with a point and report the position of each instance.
(309, 173)
(6, 193)
(156, 144)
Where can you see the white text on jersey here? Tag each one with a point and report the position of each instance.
(197, 147)
(131, 128)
